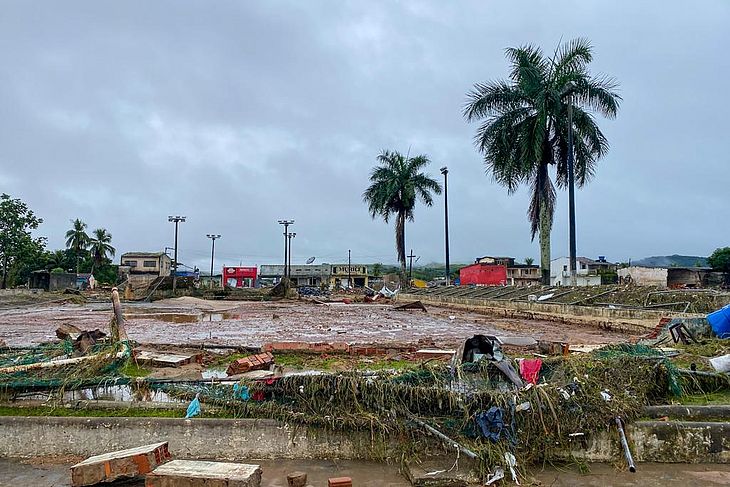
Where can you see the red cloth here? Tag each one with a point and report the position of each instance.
(530, 369)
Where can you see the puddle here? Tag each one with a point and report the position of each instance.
(178, 317)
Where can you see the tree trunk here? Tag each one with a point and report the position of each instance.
(400, 242)
(5, 271)
(545, 227)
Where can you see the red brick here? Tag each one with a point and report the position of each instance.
(339, 482)
(252, 362)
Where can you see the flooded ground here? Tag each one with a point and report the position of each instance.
(55, 473)
(189, 320)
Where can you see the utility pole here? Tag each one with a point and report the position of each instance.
(212, 257)
(445, 172)
(286, 224)
(349, 269)
(571, 189)
(290, 236)
(410, 266)
(177, 219)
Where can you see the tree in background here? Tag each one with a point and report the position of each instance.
(720, 259)
(529, 260)
(16, 242)
(377, 269)
(78, 240)
(395, 185)
(100, 246)
(524, 128)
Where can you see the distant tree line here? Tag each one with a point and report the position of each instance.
(21, 253)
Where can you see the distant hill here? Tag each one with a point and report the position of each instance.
(672, 261)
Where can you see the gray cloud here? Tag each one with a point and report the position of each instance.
(239, 113)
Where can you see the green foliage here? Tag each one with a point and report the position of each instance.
(720, 259)
(377, 269)
(396, 183)
(17, 246)
(57, 270)
(101, 248)
(529, 260)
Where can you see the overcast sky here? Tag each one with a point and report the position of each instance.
(236, 114)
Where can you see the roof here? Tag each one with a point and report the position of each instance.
(143, 254)
(524, 266)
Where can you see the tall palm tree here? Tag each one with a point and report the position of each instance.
(101, 247)
(524, 128)
(77, 239)
(395, 185)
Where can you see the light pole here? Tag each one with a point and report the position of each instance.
(349, 269)
(290, 236)
(212, 257)
(571, 185)
(445, 172)
(177, 219)
(286, 224)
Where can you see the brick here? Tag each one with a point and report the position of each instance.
(339, 482)
(119, 464)
(259, 361)
(189, 473)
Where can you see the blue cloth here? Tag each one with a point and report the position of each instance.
(491, 423)
(241, 391)
(193, 408)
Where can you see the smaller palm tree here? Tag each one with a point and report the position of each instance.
(77, 239)
(101, 248)
(395, 185)
(529, 260)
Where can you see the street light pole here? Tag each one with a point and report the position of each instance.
(571, 191)
(286, 224)
(445, 172)
(212, 257)
(349, 269)
(177, 219)
(290, 236)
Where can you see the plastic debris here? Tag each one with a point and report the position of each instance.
(497, 475)
(530, 369)
(511, 463)
(605, 395)
(194, 407)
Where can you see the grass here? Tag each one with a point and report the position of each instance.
(712, 398)
(132, 369)
(327, 363)
(109, 413)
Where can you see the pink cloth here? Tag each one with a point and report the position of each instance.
(530, 369)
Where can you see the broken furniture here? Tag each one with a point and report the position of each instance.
(193, 473)
(119, 464)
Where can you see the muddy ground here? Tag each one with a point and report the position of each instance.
(192, 320)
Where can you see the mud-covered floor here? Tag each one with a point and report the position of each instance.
(191, 320)
(55, 473)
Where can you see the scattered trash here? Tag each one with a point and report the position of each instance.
(605, 395)
(491, 423)
(545, 297)
(193, 407)
(452, 317)
(625, 445)
(720, 322)
(721, 363)
(530, 369)
(525, 406)
(511, 463)
(497, 475)
(573, 435)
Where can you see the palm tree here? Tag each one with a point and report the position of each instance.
(77, 239)
(529, 260)
(524, 127)
(395, 185)
(101, 248)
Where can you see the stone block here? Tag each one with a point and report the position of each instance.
(119, 464)
(189, 473)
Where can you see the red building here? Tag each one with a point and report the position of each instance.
(239, 276)
(483, 275)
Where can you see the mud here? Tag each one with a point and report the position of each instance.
(255, 323)
(54, 472)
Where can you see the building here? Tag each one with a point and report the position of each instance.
(240, 277)
(672, 277)
(505, 261)
(52, 281)
(588, 271)
(480, 274)
(141, 268)
(340, 273)
(523, 275)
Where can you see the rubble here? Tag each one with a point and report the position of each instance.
(193, 473)
(259, 361)
(120, 464)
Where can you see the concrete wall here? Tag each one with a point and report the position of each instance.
(645, 276)
(223, 439)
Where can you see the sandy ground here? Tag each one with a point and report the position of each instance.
(191, 320)
(368, 474)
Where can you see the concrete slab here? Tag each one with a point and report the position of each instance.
(159, 359)
(192, 473)
(119, 464)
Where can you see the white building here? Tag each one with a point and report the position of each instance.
(587, 271)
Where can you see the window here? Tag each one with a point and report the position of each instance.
(130, 263)
(149, 263)
(582, 266)
(565, 268)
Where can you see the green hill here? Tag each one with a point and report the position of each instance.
(672, 261)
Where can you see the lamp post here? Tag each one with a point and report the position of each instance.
(445, 172)
(349, 269)
(177, 219)
(290, 236)
(286, 224)
(571, 186)
(212, 257)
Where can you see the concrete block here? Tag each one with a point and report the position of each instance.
(190, 473)
(118, 464)
(296, 479)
